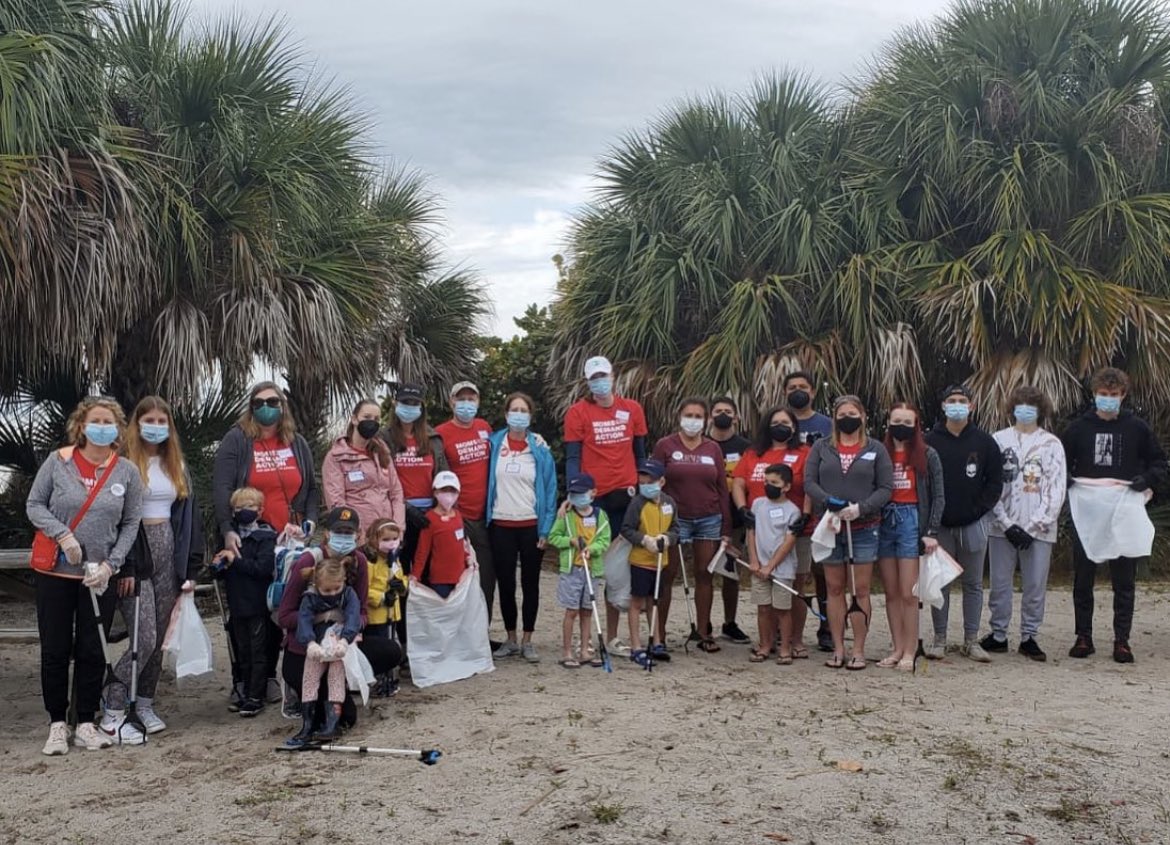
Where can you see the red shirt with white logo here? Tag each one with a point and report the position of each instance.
(441, 555)
(751, 469)
(607, 437)
(905, 481)
(415, 470)
(469, 456)
(275, 474)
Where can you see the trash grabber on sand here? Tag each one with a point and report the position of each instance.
(602, 651)
(132, 717)
(428, 757)
(854, 606)
(808, 600)
(693, 636)
(920, 653)
(654, 610)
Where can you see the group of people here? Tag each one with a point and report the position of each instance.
(402, 504)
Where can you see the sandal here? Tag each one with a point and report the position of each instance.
(906, 664)
(888, 662)
(855, 664)
(708, 645)
(837, 661)
(570, 663)
(592, 658)
(784, 660)
(799, 653)
(757, 656)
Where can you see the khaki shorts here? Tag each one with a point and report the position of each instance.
(804, 558)
(764, 592)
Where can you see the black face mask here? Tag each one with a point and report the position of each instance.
(848, 425)
(773, 491)
(368, 428)
(902, 432)
(799, 399)
(780, 433)
(246, 516)
(722, 421)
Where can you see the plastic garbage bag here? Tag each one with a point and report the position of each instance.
(617, 573)
(359, 674)
(1110, 519)
(824, 537)
(935, 571)
(447, 639)
(187, 645)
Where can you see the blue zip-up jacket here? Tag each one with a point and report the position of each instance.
(546, 480)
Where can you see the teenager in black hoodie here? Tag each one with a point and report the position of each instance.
(972, 482)
(1109, 443)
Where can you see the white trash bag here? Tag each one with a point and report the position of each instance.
(617, 573)
(824, 537)
(935, 571)
(359, 674)
(187, 645)
(447, 639)
(1110, 518)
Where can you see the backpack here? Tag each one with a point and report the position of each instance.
(288, 550)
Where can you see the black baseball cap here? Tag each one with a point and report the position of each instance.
(410, 393)
(652, 468)
(957, 390)
(342, 518)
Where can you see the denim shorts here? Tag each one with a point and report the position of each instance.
(898, 536)
(701, 528)
(865, 546)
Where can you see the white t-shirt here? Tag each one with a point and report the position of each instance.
(160, 492)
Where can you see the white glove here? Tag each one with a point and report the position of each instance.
(665, 541)
(71, 548)
(340, 649)
(850, 512)
(315, 651)
(99, 579)
(649, 543)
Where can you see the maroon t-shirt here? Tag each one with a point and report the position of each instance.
(695, 478)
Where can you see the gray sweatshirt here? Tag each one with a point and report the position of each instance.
(869, 482)
(107, 530)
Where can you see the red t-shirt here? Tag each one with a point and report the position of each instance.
(905, 481)
(695, 479)
(87, 470)
(848, 454)
(415, 471)
(607, 437)
(751, 469)
(275, 474)
(469, 456)
(440, 549)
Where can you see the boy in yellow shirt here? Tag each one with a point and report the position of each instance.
(651, 528)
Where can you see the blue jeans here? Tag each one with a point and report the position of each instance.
(898, 534)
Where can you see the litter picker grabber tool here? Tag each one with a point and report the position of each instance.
(428, 757)
(654, 610)
(854, 606)
(231, 648)
(920, 653)
(111, 678)
(602, 651)
(808, 600)
(132, 717)
(693, 636)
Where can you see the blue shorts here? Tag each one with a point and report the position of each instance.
(701, 528)
(865, 546)
(642, 581)
(898, 535)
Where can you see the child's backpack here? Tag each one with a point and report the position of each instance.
(288, 549)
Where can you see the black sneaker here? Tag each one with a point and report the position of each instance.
(236, 698)
(732, 631)
(251, 707)
(1029, 649)
(824, 640)
(990, 643)
(1122, 652)
(1083, 647)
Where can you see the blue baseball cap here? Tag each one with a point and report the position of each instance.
(581, 483)
(652, 468)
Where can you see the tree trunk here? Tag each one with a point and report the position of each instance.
(133, 373)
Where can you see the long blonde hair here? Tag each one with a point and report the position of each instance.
(75, 427)
(170, 451)
(849, 399)
(286, 429)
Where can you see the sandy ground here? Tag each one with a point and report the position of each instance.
(705, 749)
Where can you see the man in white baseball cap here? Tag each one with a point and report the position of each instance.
(598, 366)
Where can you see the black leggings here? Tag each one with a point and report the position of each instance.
(68, 630)
(508, 544)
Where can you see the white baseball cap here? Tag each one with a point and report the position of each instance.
(446, 478)
(598, 365)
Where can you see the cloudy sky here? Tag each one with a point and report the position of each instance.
(506, 105)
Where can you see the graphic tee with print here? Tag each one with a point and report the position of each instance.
(607, 437)
(415, 471)
(469, 456)
(275, 474)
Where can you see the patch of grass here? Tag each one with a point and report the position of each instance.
(607, 813)
(575, 717)
(268, 795)
(950, 783)
(880, 823)
(1072, 811)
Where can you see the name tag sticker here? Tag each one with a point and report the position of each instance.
(869, 456)
(622, 416)
(483, 435)
(667, 510)
(775, 513)
(707, 459)
(589, 522)
(731, 456)
(458, 533)
(356, 475)
(791, 459)
(512, 466)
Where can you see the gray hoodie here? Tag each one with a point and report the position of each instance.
(107, 530)
(869, 482)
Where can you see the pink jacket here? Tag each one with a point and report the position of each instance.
(354, 479)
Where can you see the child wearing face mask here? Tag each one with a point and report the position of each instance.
(651, 527)
(581, 535)
(442, 554)
(771, 544)
(387, 593)
(246, 576)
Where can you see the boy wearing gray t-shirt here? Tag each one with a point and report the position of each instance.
(772, 551)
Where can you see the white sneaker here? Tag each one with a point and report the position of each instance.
(90, 738)
(150, 719)
(937, 649)
(275, 694)
(117, 731)
(616, 646)
(973, 650)
(528, 651)
(508, 648)
(58, 741)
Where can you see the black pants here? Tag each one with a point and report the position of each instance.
(1123, 572)
(508, 545)
(383, 655)
(250, 635)
(270, 657)
(68, 630)
(615, 503)
(477, 534)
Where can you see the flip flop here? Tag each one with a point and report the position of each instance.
(887, 663)
(570, 664)
(784, 660)
(837, 661)
(709, 645)
(800, 653)
(757, 657)
(855, 664)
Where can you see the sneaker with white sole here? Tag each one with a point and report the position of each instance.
(118, 731)
(971, 649)
(58, 741)
(528, 652)
(290, 708)
(90, 738)
(616, 646)
(150, 719)
(936, 649)
(509, 648)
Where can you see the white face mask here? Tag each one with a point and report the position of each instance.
(691, 426)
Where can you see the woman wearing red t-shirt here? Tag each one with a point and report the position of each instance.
(697, 482)
(909, 528)
(778, 441)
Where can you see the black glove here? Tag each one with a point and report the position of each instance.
(396, 589)
(1019, 538)
(835, 504)
(416, 518)
(749, 518)
(1139, 484)
(799, 524)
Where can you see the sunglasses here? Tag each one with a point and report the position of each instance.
(271, 402)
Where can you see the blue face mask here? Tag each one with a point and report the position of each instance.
(601, 386)
(580, 500)
(343, 544)
(1108, 404)
(1026, 414)
(465, 410)
(649, 491)
(407, 413)
(266, 415)
(519, 420)
(101, 435)
(956, 411)
(154, 433)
